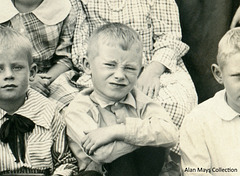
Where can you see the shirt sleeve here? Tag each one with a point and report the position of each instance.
(75, 130)
(63, 50)
(193, 147)
(153, 128)
(168, 47)
(81, 36)
(63, 161)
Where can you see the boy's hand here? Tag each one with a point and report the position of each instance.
(41, 83)
(102, 136)
(149, 80)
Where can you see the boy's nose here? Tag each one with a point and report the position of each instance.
(119, 74)
(8, 74)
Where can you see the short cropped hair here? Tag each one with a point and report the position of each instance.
(228, 46)
(113, 34)
(12, 40)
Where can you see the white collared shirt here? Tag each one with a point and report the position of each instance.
(210, 139)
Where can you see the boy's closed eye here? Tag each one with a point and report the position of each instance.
(110, 65)
(17, 67)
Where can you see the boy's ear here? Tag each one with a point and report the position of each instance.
(86, 66)
(33, 72)
(140, 72)
(217, 73)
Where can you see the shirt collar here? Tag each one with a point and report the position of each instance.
(31, 110)
(128, 100)
(223, 110)
(49, 12)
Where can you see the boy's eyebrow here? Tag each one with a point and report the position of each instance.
(235, 74)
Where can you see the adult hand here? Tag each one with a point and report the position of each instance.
(236, 19)
(148, 81)
(41, 83)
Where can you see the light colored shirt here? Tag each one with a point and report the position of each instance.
(46, 146)
(158, 25)
(146, 124)
(210, 139)
(49, 27)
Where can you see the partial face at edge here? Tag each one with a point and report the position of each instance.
(229, 76)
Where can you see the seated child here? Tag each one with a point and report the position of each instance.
(209, 139)
(114, 125)
(49, 25)
(32, 132)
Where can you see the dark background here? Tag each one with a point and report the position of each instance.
(203, 24)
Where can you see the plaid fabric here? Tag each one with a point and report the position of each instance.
(51, 43)
(157, 23)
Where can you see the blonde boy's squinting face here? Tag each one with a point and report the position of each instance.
(115, 71)
(14, 75)
(230, 73)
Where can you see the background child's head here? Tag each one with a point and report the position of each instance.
(114, 60)
(227, 72)
(16, 68)
(11, 40)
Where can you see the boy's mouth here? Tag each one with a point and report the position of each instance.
(118, 85)
(9, 86)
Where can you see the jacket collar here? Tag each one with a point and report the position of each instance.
(50, 12)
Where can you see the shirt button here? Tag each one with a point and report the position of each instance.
(149, 26)
(116, 104)
(21, 30)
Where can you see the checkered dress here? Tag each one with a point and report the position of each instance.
(157, 23)
(51, 42)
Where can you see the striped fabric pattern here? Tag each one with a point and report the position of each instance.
(46, 146)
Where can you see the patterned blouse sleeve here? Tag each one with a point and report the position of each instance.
(63, 161)
(80, 38)
(63, 50)
(168, 47)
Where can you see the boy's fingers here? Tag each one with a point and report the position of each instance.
(44, 76)
(156, 92)
(92, 149)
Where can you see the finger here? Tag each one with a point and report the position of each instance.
(145, 90)
(88, 147)
(44, 91)
(44, 76)
(46, 82)
(150, 92)
(157, 89)
(93, 149)
(39, 90)
(86, 142)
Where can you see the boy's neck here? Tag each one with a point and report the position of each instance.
(11, 106)
(25, 6)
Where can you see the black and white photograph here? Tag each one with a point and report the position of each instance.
(120, 88)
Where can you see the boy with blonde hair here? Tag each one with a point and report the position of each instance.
(209, 139)
(32, 131)
(115, 125)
